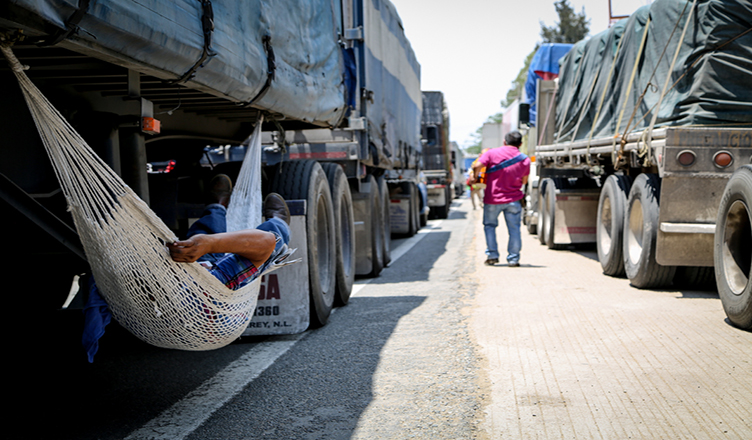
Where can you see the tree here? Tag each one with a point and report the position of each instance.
(571, 27)
(519, 83)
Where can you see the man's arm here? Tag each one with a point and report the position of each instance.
(476, 172)
(252, 244)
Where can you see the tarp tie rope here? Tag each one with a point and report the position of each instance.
(164, 303)
(617, 158)
(657, 106)
(207, 53)
(71, 25)
(271, 70)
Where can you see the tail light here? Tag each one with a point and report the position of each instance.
(723, 159)
(686, 158)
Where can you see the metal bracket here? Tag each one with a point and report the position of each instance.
(354, 33)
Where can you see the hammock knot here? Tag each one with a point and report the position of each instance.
(15, 65)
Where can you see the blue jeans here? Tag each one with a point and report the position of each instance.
(513, 217)
(214, 221)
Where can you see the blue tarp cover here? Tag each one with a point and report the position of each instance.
(545, 65)
(165, 38)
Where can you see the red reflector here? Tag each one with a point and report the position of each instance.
(723, 159)
(686, 158)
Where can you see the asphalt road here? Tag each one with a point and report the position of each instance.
(438, 347)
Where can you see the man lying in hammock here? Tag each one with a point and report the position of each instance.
(235, 258)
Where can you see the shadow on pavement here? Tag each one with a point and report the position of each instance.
(322, 386)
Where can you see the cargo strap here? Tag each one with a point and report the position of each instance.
(271, 68)
(71, 26)
(207, 26)
(507, 163)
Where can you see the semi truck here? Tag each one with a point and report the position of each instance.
(644, 148)
(437, 154)
(458, 169)
(166, 92)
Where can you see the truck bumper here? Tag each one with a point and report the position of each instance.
(437, 195)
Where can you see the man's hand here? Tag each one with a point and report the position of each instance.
(252, 244)
(190, 250)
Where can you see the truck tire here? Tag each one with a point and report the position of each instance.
(542, 211)
(612, 205)
(305, 179)
(732, 254)
(423, 203)
(640, 234)
(377, 238)
(527, 213)
(550, 202)
(441, 211)
(386, 223)
(344, 242)
(414, 222)
(694, 278)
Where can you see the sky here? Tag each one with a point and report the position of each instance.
(472, 50)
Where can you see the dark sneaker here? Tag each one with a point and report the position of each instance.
(275, 207)
(491, 261)
(220, 189)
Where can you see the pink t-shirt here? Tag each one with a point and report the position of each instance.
(504, 186)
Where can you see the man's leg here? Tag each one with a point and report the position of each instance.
(213, 221)
(214, 217)
(280, 229)
(490, 221)
(513, 218)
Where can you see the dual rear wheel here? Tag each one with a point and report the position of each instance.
(307, 180)
(627, 231)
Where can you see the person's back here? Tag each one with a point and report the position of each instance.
(505, 185)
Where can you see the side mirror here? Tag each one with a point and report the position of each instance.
(524, 111)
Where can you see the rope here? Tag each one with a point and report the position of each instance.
(603, 98)
(668, 79)
(614, 157)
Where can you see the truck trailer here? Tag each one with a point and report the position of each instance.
(166, 92)
(437, 154)
(644, 148)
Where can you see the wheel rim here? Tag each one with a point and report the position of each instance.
(736, 247)
(635, 232)
(322, 241)
(604, 231)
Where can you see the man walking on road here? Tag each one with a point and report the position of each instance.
(506, 171)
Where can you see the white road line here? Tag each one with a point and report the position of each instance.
(185, 416)
(188, 414)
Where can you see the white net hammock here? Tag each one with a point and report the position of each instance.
(164, 303)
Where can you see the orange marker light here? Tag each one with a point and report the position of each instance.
(150, 125)
(723, 159)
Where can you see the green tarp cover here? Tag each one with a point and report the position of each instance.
(709, 83)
